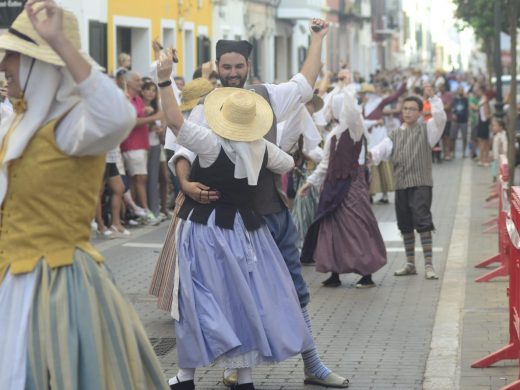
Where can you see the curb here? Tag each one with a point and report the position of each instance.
(443, 364)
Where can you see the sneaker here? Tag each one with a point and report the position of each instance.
(365, 282)
(123, 233)
(408, 269)
(140, 212)
(429, 273)
(132, 222)
(332, 281)
(151, 219)
(107, 234)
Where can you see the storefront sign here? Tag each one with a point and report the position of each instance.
(9, 10)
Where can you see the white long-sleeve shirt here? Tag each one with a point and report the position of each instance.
(100, 122)
(435, 127)
(285, 98)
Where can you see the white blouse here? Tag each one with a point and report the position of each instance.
(100, 122)
(207, 146)
(349, 118)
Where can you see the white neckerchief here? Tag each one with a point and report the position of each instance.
(51, 92)
(247, 157)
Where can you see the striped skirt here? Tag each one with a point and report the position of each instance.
(163, 276)
(303, 212)
(70, 328)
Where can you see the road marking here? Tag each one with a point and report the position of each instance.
(390, 232)
(142, 245)
(393, 250)
(159, 246)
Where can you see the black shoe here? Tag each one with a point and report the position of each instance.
(383, 201)
(332, 281)
(244, 386)
(308, 263)
(186, 385)
(365, 282)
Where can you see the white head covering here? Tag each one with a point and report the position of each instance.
(50, 92)
(346, 110)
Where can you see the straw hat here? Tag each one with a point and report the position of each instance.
(367, 88)
(238, 114)
(193, 91)
(22, 38)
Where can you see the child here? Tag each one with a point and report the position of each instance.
(498, 127)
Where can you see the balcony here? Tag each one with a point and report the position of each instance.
(272, 3)
(299, 9)
(355, 10)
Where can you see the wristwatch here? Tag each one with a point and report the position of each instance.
(164, 84)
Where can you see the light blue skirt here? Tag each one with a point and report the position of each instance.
(237, 302)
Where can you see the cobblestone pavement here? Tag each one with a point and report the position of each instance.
(380, 338)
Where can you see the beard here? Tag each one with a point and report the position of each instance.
(236, 82)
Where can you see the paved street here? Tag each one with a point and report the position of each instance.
(381, 338)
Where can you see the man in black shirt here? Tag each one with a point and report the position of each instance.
(460, 120)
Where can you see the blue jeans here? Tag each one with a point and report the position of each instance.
(284, 233)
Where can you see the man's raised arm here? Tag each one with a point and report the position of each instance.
(312, 65)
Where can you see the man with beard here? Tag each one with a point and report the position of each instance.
(233, 68)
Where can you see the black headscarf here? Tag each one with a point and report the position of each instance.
(228, 46)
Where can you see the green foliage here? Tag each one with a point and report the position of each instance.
(478, 14)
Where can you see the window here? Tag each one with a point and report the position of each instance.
(203, 49)
(98, 42)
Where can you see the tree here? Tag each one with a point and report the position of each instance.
(478, 14)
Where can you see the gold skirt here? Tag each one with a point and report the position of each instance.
(382, 178)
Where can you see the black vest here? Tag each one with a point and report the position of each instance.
(269, 197)
(235, 195)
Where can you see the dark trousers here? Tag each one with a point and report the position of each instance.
(285, 235)
(412, 209)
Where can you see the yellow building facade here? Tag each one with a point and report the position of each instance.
(183, 24)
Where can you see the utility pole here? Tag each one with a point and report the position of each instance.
(497, 12)
(513, 103)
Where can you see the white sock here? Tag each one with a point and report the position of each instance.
(184, 374)
(244, 375)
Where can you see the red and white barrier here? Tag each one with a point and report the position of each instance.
(500, 226)
(512, 349)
